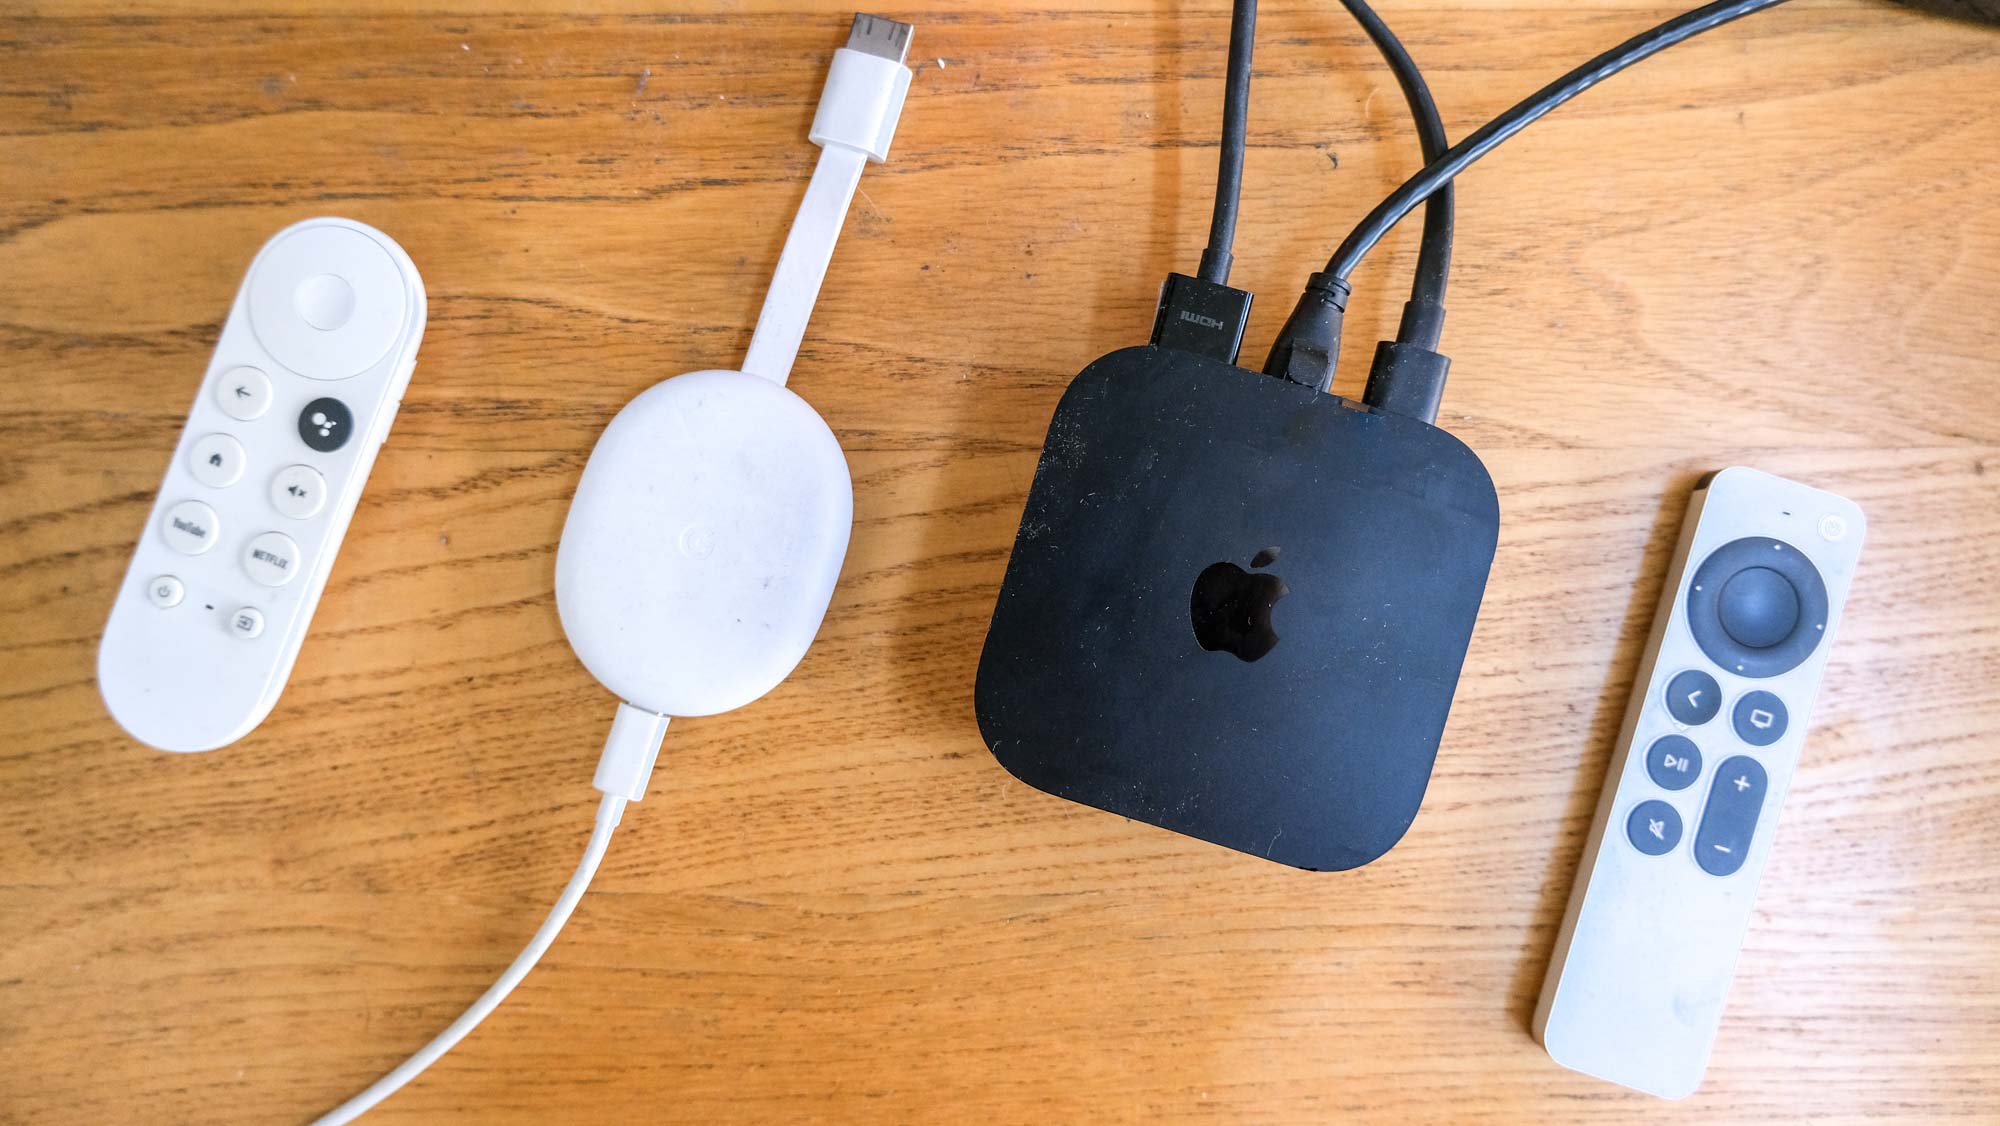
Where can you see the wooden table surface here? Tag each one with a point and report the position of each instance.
(1775, 246)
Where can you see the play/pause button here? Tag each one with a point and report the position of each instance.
(1674, 761)
(298, 491)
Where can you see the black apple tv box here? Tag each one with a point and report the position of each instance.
(1237, 608)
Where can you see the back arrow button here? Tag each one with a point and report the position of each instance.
(1693, 697)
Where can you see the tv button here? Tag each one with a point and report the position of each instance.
(1759, 719)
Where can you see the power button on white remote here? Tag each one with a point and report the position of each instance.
(1832, 527)
(165, 591)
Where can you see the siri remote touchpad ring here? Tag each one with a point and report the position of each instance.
(328, 302)
(1757, 607)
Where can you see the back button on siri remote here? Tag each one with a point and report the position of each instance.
(1693, 697)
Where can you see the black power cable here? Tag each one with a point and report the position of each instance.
(1215, 259)
(1311, 336)
(1423, 316)
(1410, 361)
(1439, 172)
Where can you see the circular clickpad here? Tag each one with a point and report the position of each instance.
(1757, 607)
(328, 302)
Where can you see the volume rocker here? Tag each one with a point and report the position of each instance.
(1729, 819)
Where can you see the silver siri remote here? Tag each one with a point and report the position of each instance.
(299, 395)
(1712, 734)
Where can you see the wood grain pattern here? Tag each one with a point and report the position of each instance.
(1779, 245)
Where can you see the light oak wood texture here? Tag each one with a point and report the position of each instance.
(1775, 246)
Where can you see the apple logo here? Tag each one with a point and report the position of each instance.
(1232, 607)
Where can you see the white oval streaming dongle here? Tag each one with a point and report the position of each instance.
(703, 543)
(709, 525)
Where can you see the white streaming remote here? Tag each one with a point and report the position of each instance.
(1712, 735)
(299, 395)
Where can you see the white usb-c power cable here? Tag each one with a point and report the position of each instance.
(622, 773)
(853, 126)
(856, 119)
